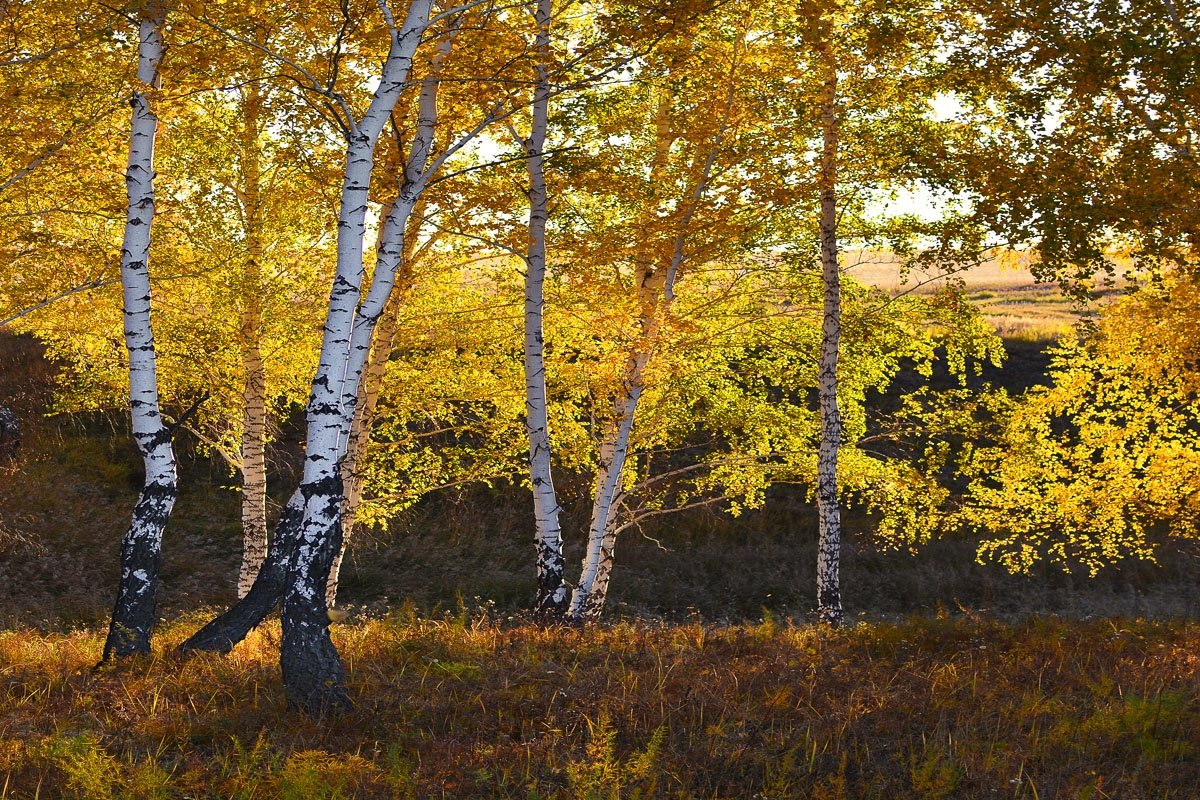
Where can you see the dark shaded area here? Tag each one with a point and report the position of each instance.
(64, 507)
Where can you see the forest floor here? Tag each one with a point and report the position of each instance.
(474, 707)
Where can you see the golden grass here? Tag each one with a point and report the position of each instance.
(476, 709)
(1003, 288)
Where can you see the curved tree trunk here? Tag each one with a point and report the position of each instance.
(398, 238)
(133, 615)
(314, 680)
(829, 543)
(231, 627)
(586, 603)
(360, 436)
(313, 676)
(550, 602)
(656, 294)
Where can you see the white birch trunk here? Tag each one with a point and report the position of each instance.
(655, 295)
(312, 671)
(356, 447)
(586, 603)
(133, 615)
(829, 542)
(254, 395)
(550, 602)
(364, 409)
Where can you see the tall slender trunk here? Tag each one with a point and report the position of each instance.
(396, 249)
(133, 615)
(302, 550)
(360, 435)
(587, 601)
(550, 602)
(587, 598)
(313, 677)
(656, 294)
(829, 544)
(364, 408)
(254, 395)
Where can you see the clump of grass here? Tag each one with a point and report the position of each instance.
(474, 708)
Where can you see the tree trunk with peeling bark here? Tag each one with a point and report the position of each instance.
(133, 615)
(829, 543)
(550, 602)
(254, 395)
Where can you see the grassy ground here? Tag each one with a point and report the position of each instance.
(470, 707)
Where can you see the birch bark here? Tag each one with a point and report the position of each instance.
(254, 395)
(550, 602)
(365, 405)
(614, 447)
(313, 675)
(133, 615)
(829, 542)
(309, 533)
(656, 293)
(398, 236)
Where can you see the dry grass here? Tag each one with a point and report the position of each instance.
(1004, 289)
(471, 708)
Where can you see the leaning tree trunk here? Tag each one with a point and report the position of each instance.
(353, 478)
(222, 633)
(829, 544)
(133, 615)
(405, 217)
(360, 436)
(313, 677)
(254, 395)
(656, 294)
(298, 561)
(585, 605)
(587, 601)
(550, 602)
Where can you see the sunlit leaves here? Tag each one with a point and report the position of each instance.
(1095, 467)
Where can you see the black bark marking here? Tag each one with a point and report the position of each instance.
(133, 613)
(313, 676)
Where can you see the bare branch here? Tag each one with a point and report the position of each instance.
(95, 283)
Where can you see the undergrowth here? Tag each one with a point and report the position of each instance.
(472, 707)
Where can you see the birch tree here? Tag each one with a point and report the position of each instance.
(551, 598)
(829, 541)
(656, 275)
(313, 674)
(133, 616)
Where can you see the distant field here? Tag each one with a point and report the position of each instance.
(1016, 304)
